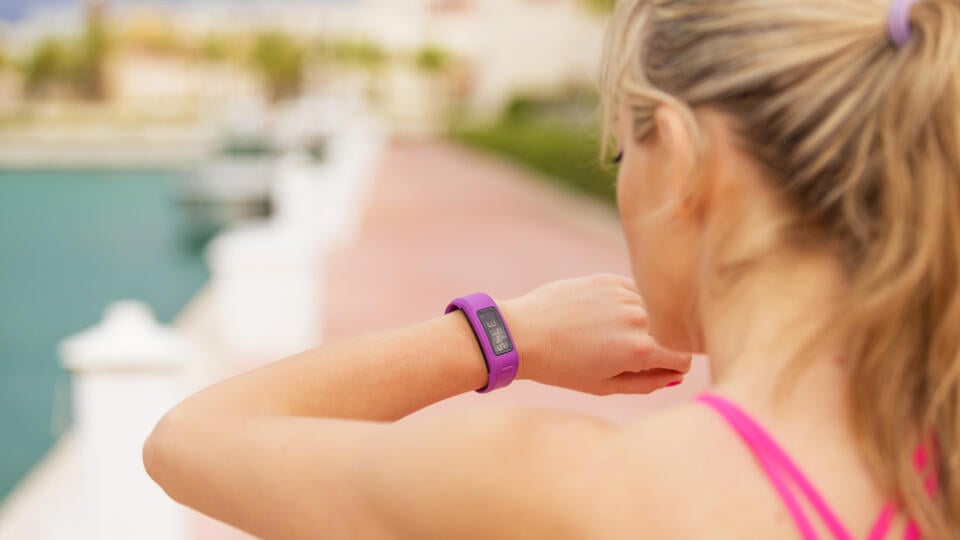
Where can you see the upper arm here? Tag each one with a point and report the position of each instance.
(485, 472)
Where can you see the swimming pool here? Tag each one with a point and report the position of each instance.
(70, 243)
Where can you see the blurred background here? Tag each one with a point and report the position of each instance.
(189, 189)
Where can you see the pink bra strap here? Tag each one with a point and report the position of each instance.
(777, 464)
(912, 532)
(882, 527)
(772, 471)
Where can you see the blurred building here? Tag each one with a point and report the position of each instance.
(422, 54)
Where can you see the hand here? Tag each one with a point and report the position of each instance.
(590, 334)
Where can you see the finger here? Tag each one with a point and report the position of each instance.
(664, 358)
(642, 382)
(633, 299)
(627, 283)
(650, 354)
(637, 317)
(631, 287)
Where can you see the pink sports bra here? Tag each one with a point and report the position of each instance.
(783, 472)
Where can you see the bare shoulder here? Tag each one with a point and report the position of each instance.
(507, 471)
(555, 474)
(683, 473)
(492, 471)
(641, 483)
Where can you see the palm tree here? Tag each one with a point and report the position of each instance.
(91, 65)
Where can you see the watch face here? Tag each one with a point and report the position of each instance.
(496, 330)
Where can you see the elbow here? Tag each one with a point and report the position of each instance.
(163, 451)
(153, 452)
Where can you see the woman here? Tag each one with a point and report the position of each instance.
(789, 187)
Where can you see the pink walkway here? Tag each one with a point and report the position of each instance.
(445, 221)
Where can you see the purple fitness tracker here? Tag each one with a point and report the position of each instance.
(499, 350)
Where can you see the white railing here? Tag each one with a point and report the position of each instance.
(266, 300)
(267, 277)
(126, 374)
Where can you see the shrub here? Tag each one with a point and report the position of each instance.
(280, 61)
(49, 64)
(432, 59)
(565, 152)
(357, 53)
(555, 134)
(602, 6)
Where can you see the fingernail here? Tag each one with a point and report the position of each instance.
(674, 383)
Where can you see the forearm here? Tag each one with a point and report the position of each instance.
(307, 447)
(381, 377)
(208, 452)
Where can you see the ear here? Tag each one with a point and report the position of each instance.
(676, 146)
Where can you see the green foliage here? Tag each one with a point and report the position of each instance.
(96, 37)
(359, 53)
(92, 58)
(215, 48)
(432, 59)
(73, 66)
(49, 63)
(574, 104)
(565, 151)
(602, 6)
(280, 61)
(556, 134)
(521, 107)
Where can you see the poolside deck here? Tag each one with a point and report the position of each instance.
(443, 221)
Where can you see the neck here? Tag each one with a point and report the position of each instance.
(758, 332)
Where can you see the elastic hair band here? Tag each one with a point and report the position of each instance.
(898, 21)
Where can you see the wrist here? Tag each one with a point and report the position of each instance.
(493, 337)
(470, 368)
(526, 344)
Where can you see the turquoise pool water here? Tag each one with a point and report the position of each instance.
(70, 243)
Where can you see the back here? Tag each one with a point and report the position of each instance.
(708, 484)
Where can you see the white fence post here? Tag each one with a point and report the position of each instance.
(267, 288)
(327, 197)
(125, 376)
(267, 277)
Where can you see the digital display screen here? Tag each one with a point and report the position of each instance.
(496, 330)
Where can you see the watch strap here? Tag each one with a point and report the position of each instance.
(493, 336)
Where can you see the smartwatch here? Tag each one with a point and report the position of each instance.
(499, 350)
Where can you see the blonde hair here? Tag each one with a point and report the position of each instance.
(863, 140)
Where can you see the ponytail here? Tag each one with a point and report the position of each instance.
(862, 136)
(905, 362)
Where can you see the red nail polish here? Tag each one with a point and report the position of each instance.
(674, 383)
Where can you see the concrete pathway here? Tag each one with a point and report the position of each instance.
(444, 221)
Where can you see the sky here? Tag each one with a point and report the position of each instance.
(12, 10)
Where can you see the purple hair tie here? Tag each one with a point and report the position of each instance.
(898, 21)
